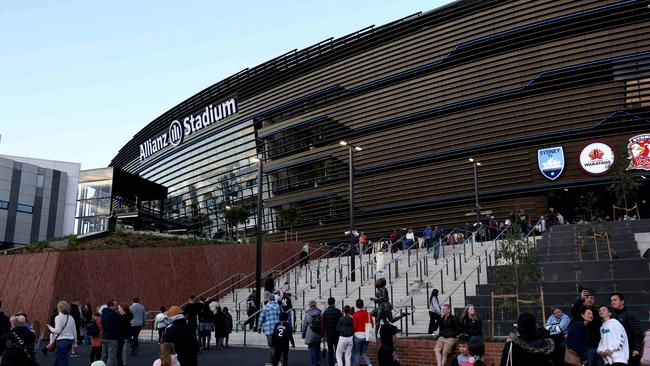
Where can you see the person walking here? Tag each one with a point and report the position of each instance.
(269, 286)
(331, 317)
(449, 331)
(345, 342)
(160, 323)
(362, 243)
(359, 343)
(251, 309)
(312, 331)
(528, 347)
(206, 326)
(282, 336)
(65, 333)
(75, 313)
(229, 324)
(427, 235)
(434, 313)
(410, 240)
(192, 309)
(632, 326)
(138, 321)
(95, 332)
(578, 339)
(125, 326)
(268, 317)
(87, 316)
(17, 346)
(220, 330)
(111, 333)
(183, 336)
(304, 256)
(613, 346)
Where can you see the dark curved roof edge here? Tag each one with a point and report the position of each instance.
(294, 63)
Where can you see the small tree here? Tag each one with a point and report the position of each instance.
(290, 216)
(520, 266)
(624, 184)
(236, 215)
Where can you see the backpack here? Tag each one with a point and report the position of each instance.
(315, 324)
(93, 329)
(645, 358)
(281, 335)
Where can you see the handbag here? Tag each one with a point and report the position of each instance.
(509, 361)
(52, 346)
(571, 358)
(370, 331)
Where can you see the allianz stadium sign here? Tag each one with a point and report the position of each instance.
(180, 129)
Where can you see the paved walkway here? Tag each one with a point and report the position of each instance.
(239, 356)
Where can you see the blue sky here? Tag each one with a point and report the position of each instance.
(79, 78)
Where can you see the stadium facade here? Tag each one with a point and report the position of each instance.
(547, 95)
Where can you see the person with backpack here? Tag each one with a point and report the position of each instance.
(312, 331)
(17, 346)
(331, 317)
(269, 315)
(282, 335)
(94, 330)
(160, 323)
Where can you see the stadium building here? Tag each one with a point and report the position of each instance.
(548, 96)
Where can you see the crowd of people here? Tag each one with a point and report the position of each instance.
(594, 335)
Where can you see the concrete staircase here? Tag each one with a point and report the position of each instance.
(410, 276)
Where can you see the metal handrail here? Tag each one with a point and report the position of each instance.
(429, 279)
(293, 266)
(388, 264)
(219, 284)
(448, 299)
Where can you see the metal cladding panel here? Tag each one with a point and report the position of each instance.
(491, 80)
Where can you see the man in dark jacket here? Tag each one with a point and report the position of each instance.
(182, 336)
(632, 327)
(111, 333)
(5, 326)
(17, 346)
(192, 310)
(331, 317)
(75, 312)
(449, 330)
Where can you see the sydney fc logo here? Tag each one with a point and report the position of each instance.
(551, 162)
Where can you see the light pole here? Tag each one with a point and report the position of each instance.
(258, 244)
(476, 164)
(351, 150)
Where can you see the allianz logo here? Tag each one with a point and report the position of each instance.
(191, 124)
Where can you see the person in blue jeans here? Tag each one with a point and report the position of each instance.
(312, 331)
(65, 333)
(359, 343)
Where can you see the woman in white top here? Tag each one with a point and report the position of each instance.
(613, 346)
(167, 356)
(64, 332)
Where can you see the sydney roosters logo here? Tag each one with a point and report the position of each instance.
(596, 154)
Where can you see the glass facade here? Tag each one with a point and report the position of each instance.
(93, 206)
(203, 176)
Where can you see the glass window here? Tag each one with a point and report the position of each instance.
(4, 205)
(637, 93)
(24, 208)
(40, 179)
